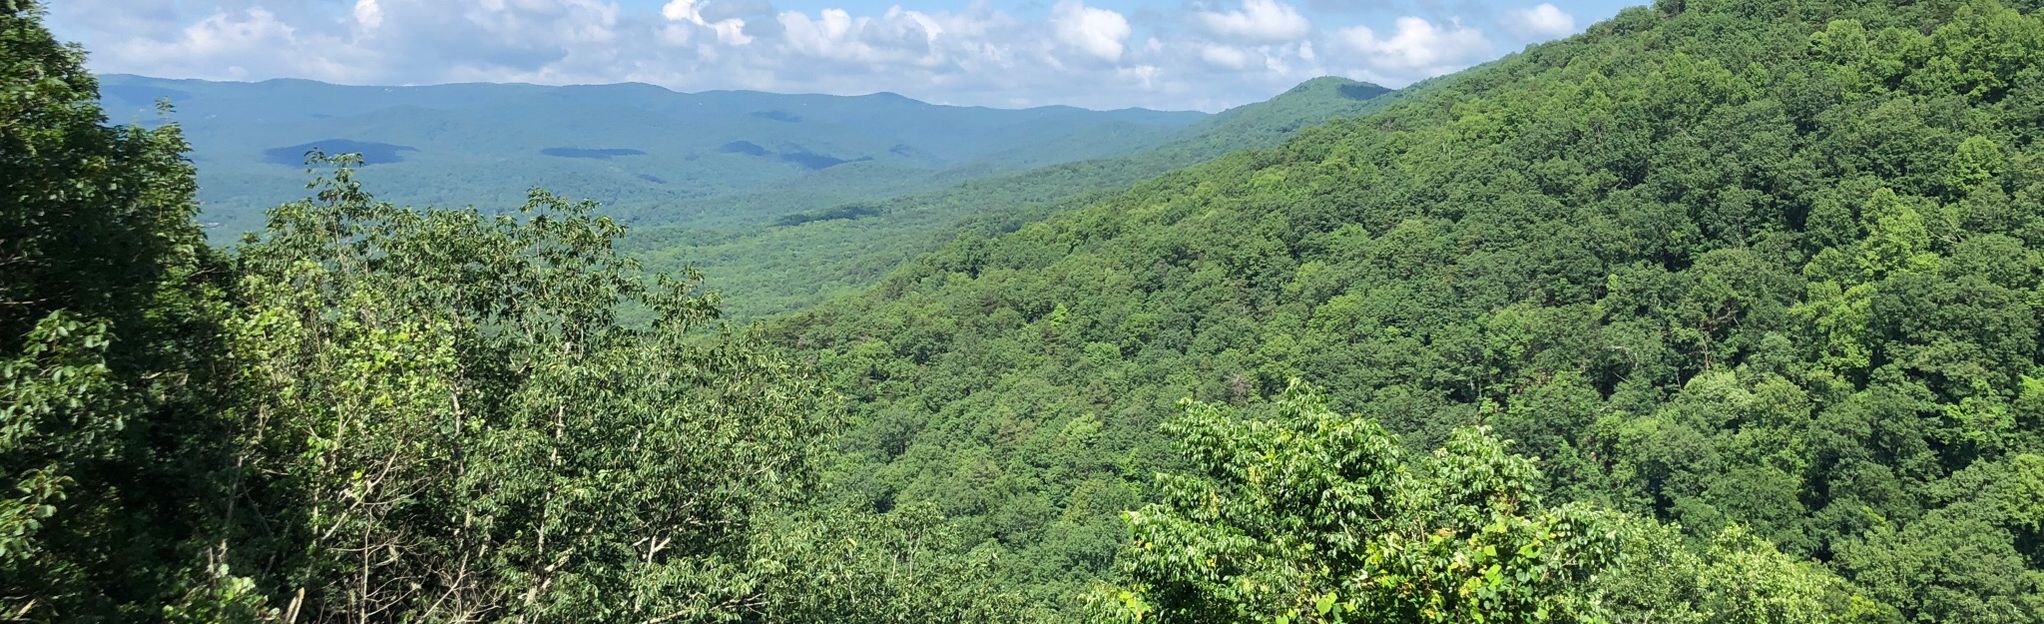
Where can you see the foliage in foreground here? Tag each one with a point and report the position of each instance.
(446, 401)
(1313, 516)
(110, 410)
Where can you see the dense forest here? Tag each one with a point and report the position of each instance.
(1765, 273)
(1721, 312)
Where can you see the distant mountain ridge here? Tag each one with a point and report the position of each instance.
(633, 146)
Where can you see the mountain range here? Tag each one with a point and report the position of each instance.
(658, 155)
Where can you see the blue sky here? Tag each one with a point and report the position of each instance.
(1168, 54)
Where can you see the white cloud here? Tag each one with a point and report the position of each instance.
(368, 14)
(899, 36)
(681, 14)
(1229, 53)
(1417, 49)
(681, 11)
(1545, 21)
(236, 45)
(223, 32)
(1097, 32)
(1146, 75)
(1258, 21)
(1225, 57)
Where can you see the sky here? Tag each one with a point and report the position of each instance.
(1163, 54)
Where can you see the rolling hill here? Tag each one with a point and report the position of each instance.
(829, 249)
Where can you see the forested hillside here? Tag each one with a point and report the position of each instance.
(1766, 271)
(653, 156)
(807, 257)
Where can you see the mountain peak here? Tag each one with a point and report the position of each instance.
(1337, 85)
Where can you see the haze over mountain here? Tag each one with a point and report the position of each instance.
(644, 151)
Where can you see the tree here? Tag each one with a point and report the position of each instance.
(460, 427)
(1313, 516)
(113, 402)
